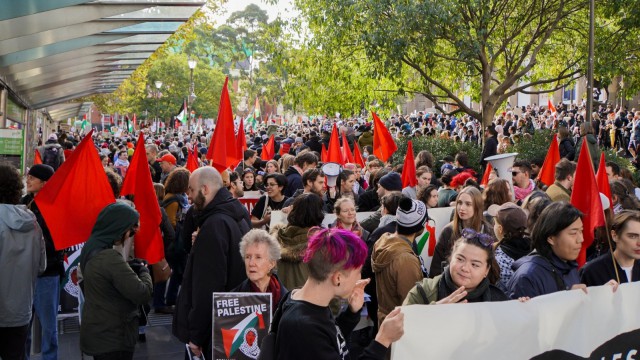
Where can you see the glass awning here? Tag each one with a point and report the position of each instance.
(54, 51)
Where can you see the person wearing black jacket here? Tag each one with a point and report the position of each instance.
(314, 142)
(625, 230)
(47, 290)
(490, 146)
(214, 264)
(334, 258)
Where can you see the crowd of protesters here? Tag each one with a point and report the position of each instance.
(502, 242)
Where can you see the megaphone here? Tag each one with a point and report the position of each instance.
(502, 164)
(331, 170)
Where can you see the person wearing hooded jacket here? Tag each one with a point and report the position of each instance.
(214, 264)
(113, 289)
(586, 133)
(396, 266)
(22, 259)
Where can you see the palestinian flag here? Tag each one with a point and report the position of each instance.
(182, 115)
(71, 263)
(234, 337)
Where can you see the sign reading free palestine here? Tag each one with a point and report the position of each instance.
(240, 322)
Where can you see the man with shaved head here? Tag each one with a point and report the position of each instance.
(214, 264)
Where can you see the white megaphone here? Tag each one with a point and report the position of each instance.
(502, 164)
(331, 171)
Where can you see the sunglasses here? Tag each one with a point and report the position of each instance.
(515, 173)
(481, 238)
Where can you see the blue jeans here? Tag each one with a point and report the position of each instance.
(45, 305)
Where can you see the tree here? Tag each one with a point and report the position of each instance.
(488, 49)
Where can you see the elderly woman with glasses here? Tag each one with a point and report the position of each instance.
(261, 253)
(469, 277)
(112, 288)
(274, 199)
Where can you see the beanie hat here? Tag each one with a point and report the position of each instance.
(391, 182)
(53, 136)
(510, 216)
(41, 171)
(411, 216)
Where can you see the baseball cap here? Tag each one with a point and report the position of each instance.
(168, 158)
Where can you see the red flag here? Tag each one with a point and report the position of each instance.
(324, 154)
(602, 179)
(269, 149)
(409, 168)
(346, 151)
(357, 156)
(192, 161)
(383, 144)
(148, 240)
(135, 122)
(222, 149)
(586, 198)
(551, 107)
(334, 154)
(74, 196)
(547, 174)
(37, 159)
(485, 176)
(241, 139)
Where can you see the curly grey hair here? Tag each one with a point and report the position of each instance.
(259, 236)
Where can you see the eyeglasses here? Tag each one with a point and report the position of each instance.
(271, 184)
(515, 173)
(481, 238)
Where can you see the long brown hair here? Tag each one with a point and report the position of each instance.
(478, 208)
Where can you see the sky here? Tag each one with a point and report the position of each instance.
(283, 8)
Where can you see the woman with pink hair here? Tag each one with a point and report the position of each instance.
(303, 323)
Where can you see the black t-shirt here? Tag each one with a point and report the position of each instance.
(258, 210)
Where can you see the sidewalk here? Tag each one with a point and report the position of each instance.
(160, 344)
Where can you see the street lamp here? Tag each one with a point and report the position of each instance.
(158, 84)
(192, 95)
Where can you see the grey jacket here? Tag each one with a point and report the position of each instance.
(22, 259)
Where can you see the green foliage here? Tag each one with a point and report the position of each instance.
(624, 163)
(535, 147)
(439, 148)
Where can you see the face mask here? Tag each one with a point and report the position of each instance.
(365, 154)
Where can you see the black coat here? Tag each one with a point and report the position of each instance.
(567, 149)
(214, 265)
(55, 258)
(369, 201)
(314, 144)
(490, 148)
(600, 270)
(245, 286)
(294, 182)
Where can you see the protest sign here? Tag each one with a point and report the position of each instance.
(240, 322)
(563, 325)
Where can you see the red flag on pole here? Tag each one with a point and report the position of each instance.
(192, 161)
(222, 149)
(547, 174)
(485, 176)
(241, 139)
(269, 149)
(409, 168)
(37, 159)
(74, 196)
(602, 179)
(148, 240)
(551, 107)
(135, 122)
(346, 151)
(586, 198)
(357, 155)
(383, 144)
(324, 156)
(334, 154)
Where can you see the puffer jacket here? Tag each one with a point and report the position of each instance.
(397, 269)
(535, 275)
(292, 271)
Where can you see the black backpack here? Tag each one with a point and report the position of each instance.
(178, 246)
(51, 156)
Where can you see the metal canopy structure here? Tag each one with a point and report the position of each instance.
(54, 51)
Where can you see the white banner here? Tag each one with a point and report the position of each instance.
(564, 325)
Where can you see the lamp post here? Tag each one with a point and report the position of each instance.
(192, 95)
(158, 84)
